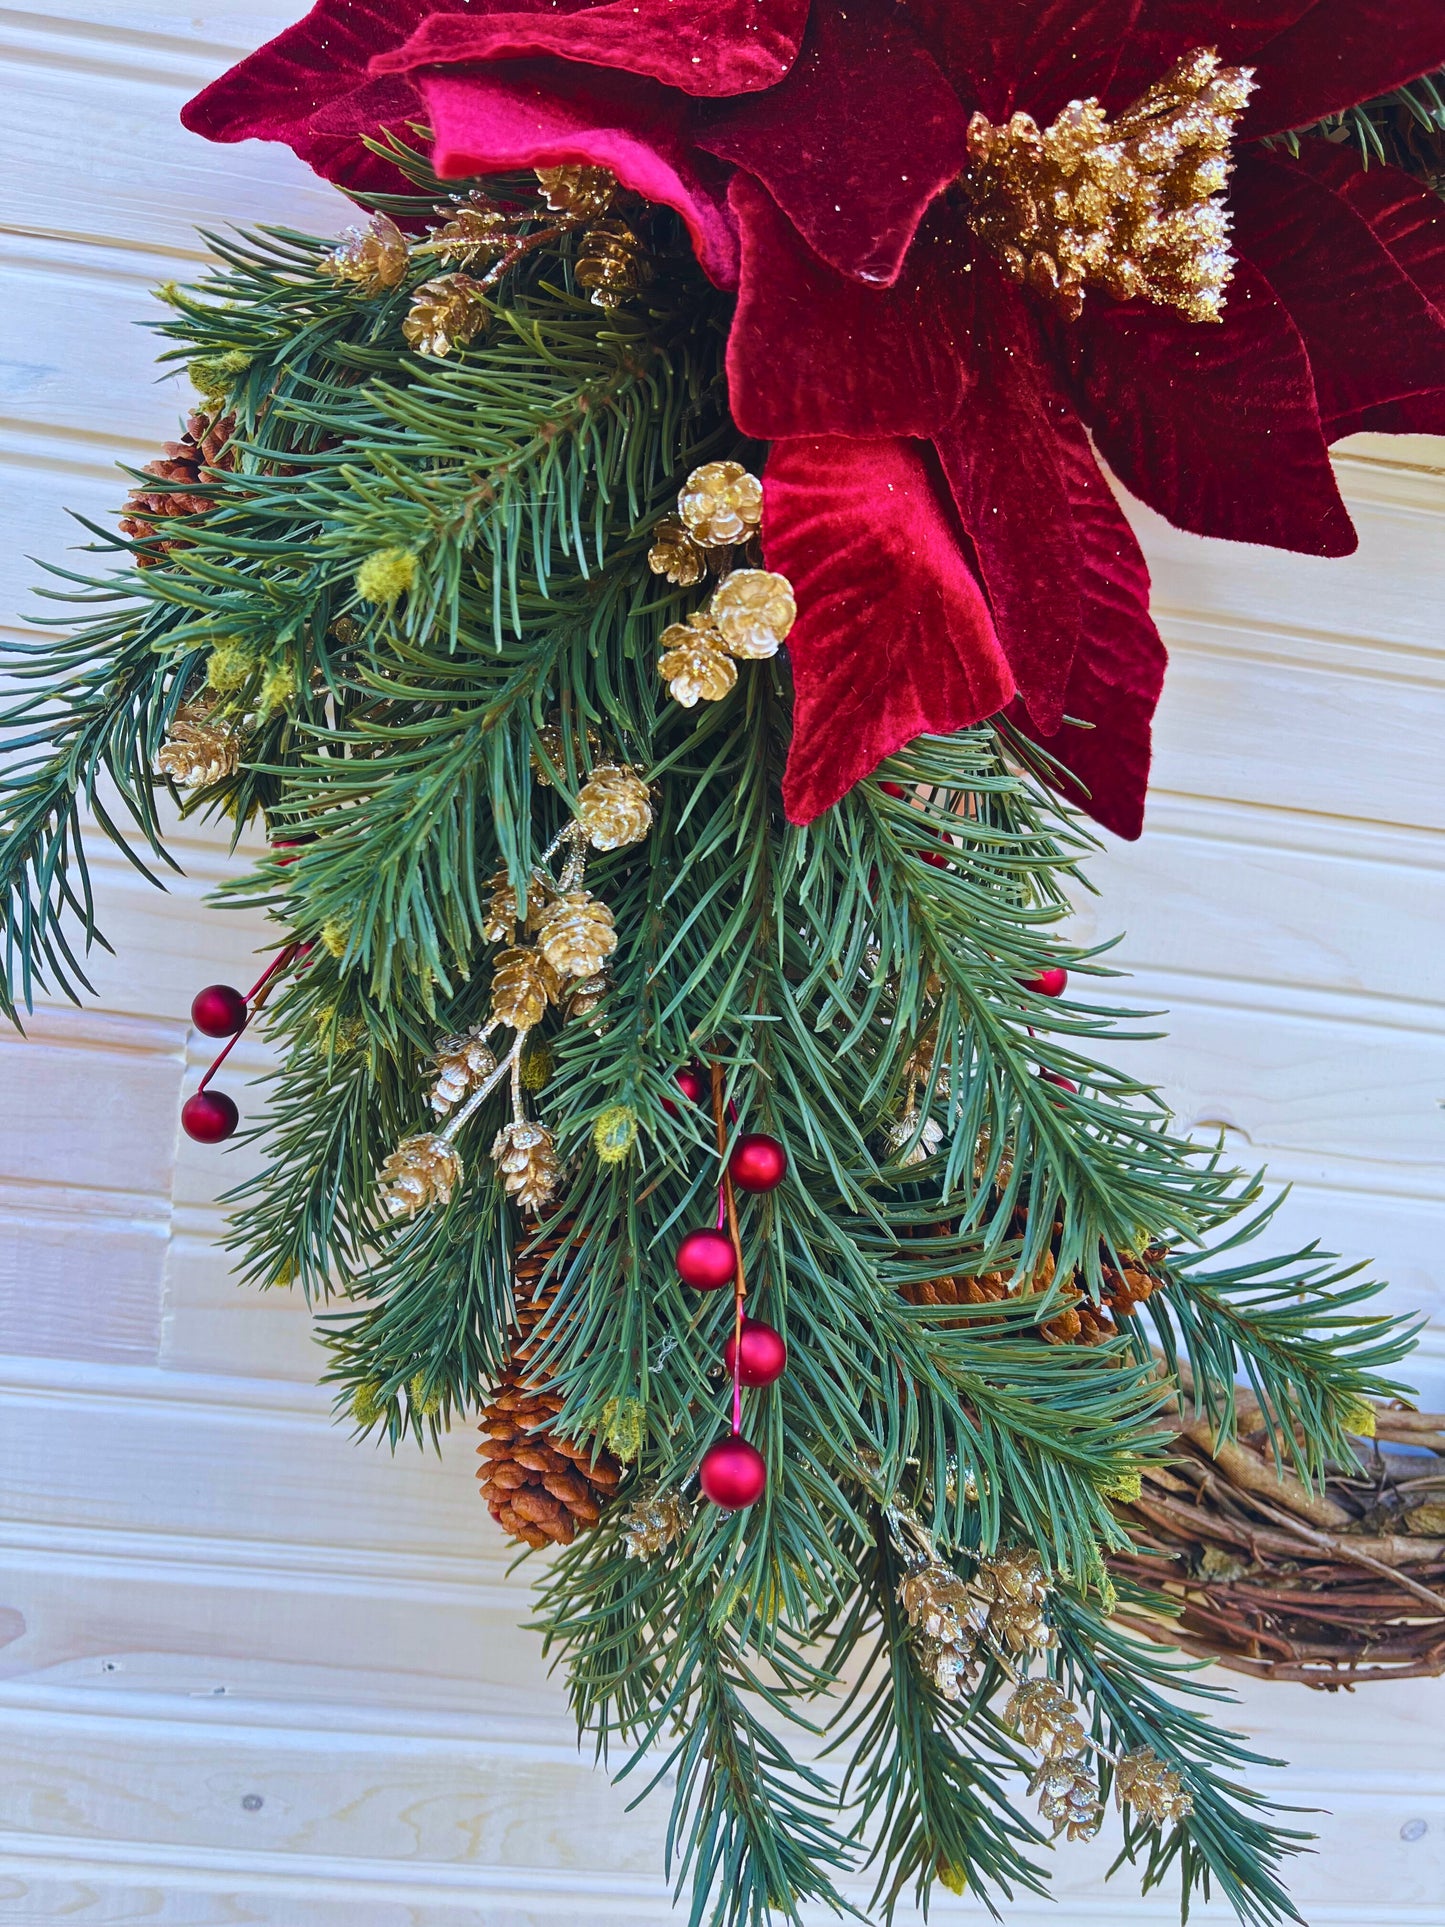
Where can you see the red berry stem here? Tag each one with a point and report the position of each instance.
(728, 1207)
(254, 999)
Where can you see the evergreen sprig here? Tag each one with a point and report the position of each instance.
(404, 751)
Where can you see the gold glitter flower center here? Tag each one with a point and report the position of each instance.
(1134, 206)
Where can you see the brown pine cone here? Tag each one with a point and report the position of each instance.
(180, 475)
(540, 1488)
(987, 1289)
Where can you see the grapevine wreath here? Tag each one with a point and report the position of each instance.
(654, 582)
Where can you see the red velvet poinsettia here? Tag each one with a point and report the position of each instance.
(932, 490)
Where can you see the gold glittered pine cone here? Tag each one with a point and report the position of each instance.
(694, 664)
(421, 1171)
(372, 257)
(474, 233)
(523, 984)
(201, 748)
(500, 923)
(721, 505)
(614, 807)
(753, 610)
(936, 1601)
(610, 263)
(675, 555)
(550, 739)
(1010, 1588)
(525, 1155)
(653, 1522)
(907, 1144)
(1155, 1791)
(1068, 1797)
(462, 1063)
(446, 312)
(540, 1487)
(576, 934)
(179, 476)
(582, 192)
(587, 993)
(950, 1664)
(1045, 1719)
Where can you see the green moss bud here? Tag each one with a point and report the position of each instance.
(334, 936)
(214, 376)
(278, 688)
(230, 665)
(368, 1403)
(427, 1403)
(624, 1427)
(615, 1133)
(538, 1066)
(386, 576)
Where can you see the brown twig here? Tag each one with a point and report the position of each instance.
(1281, 1581)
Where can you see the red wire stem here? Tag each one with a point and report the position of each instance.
(255, 998)
(722, 1110)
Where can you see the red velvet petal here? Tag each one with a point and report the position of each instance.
(1032, 54)
(1371, 335)
(320, 63)
(856, 142)
(1214, 426)
(539, 113)
(1404, 217)
(1341, 52)
(713, 47)
(1010, 476)
(1118, 670)
(1165, 29)
(893, 638)
(1415, 415)
(814, 352)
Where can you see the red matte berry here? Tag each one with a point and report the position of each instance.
(218, 1011)
(762, 1356)
(733, 1473)
(209, 1116)
(691, 1080)
(706, 1260)
(758, 1162)
(1050, 982)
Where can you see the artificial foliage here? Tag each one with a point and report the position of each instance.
(976, 245)
(462, 588)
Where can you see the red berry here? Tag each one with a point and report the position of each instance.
(209, 1116)
(218, 1011)
(893, 789)
(758, 1162)
(1051, 981)
(692, 1081)
(733, 1473)
(936, 857)
(1064, 1083)
(763, 1355)
(706, 1260)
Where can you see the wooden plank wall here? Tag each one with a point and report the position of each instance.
(249, 1672)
